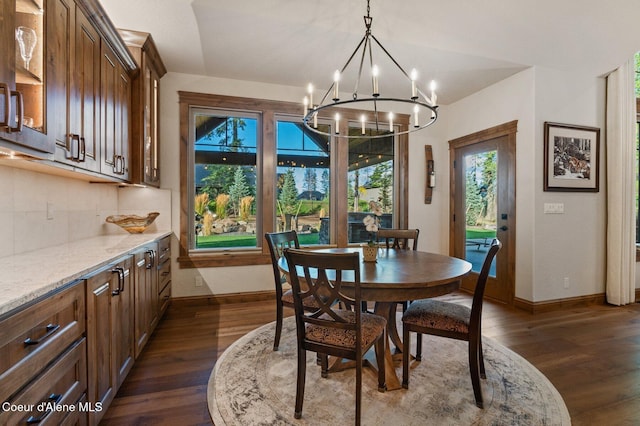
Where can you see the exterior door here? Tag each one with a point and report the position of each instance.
(483, 206)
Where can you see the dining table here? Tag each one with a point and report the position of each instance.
(399, 276)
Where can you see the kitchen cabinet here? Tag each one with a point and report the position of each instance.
(23, 83)
(115, 109)
(164, 275)
(145, 108)
(74, 91)
(146, 294)
(43, 358)
(109, 333)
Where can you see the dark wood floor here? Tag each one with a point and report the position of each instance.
(591, 355)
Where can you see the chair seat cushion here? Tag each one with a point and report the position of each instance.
(308, 303)
(437, 314)
(372, 327)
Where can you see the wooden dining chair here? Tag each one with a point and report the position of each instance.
(343, 333)
(277, 242)
(399, 238)
(452, 320)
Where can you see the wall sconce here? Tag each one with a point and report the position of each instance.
(431, 175)
(430, 181)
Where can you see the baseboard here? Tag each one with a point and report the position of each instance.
(560, 304)
(223, 299)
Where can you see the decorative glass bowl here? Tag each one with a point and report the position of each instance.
(133, 224)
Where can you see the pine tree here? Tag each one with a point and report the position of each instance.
(238, 190)
(289, 194)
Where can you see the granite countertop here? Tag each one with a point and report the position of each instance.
(27, 276)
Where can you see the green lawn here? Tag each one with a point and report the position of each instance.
(473, 233)
(223, 241)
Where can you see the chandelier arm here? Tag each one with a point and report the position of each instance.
(367, 42)
(391, 57)
(342, 70)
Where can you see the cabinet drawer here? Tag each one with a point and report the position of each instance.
(164, 298)
(31, 338)
(53, 395)
(164, 274)
(164, 250)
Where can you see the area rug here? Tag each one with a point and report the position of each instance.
(253, 385)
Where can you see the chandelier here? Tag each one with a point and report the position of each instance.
(424, 108)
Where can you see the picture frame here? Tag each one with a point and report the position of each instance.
(571, 158)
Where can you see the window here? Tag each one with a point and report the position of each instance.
(249, 167)
(303, 181)
(371, 180)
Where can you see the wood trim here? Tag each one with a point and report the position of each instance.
(561, 304)
(223, 299)
(269, 110)
(507, 130)
(494, 132)
(99, 18)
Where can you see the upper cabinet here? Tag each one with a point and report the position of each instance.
(23, 41)
(145, 108)
(65, 90)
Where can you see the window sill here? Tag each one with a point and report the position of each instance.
(206, 260)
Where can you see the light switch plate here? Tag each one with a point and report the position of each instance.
(553, 208)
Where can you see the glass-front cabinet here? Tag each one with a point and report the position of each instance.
(23, 82)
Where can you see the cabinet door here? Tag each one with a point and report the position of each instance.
(115, 100)
(151, 129)
(101, 290)
(122, 307)
(146, 295)
(23, 75)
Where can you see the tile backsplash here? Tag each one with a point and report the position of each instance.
(39, 210)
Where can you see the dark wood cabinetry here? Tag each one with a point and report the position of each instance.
(23, 83)
(43, 357)
(74, 97)
(109, 325)
(145, 108)
(146, 294)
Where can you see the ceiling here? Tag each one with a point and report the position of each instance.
(463, 45)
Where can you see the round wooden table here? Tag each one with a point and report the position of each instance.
(400, 276)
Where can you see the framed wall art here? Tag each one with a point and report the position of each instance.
(571, 158)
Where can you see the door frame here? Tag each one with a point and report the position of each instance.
(507, 237)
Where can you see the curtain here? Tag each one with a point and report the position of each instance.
(621, 178)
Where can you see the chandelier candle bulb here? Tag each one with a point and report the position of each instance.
(337, 123)
(434, 97)
(315, 119)
(362, 120)
(305, 101)
(374, 73)
(336, 82)
(416, 111)
(414, 77)
(391, 122)
(310, 90)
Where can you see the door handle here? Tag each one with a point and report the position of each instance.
(504, 228)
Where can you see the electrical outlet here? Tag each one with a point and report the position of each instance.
(566, 282)
(198, 281)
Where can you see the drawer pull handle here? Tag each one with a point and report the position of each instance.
(55, 398)
(51, 328)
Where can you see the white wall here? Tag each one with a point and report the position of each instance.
(548, 247)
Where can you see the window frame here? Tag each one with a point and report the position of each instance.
(266, 169)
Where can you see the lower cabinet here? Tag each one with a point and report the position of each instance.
(63, 357)
(109, 326)
(146, 294)
(43, 360)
